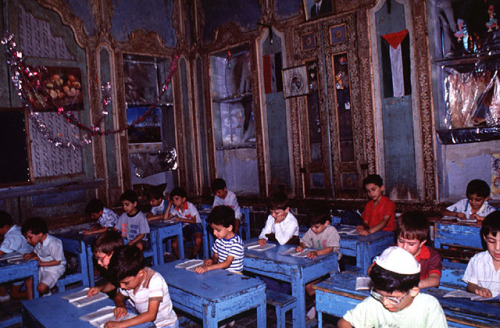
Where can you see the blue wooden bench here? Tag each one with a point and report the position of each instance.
(80, 272)
(337, 295)
(282, 303)
(151, 249)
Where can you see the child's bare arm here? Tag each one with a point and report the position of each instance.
(192, 220)
(137, 238)
(377, 227)
(342, 323)
(167, 215)
(121, 309)
(48, 263)
(148, 316)
(454, 214)
(473, 288)
(152, 217)
(221, 265)
(301, 247)
(431, 281)
(95, 231)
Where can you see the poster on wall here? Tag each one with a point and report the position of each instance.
(317, 8)
(60, 87)
(495, 176)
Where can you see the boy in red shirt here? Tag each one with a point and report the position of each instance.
(379, 211)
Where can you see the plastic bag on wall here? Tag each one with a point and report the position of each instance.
(232, 121)
(147, 164)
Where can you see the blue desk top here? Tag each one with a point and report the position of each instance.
(365, 239)
(16, 271)
(213, 285)
(54, 311)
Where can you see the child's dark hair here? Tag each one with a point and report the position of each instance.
(178, 192)
(478, 187)
(5, 219)
(412, 225)
(35, 225)
(373, 178)
(319, 219)
(126, 261)
(156, 194)
(222, 215)
(107, 242)
(218, 184)
(94, 206)
(130, 196)
(278, 201)
(491, 224)
(388, 281)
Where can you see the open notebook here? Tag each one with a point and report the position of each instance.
(189, 265)
(14, 256)
(101, 316)
(80, 299)
(293, 253)
(256, 247)
(471, 296)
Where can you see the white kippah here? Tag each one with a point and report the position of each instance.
(398, 260)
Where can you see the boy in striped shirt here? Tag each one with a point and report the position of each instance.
(228, 247)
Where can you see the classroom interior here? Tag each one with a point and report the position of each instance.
(100, 96)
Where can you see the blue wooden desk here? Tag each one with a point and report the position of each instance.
(364, 248)
(23, 270)
(215, 295)
(54, 311)
(166, 229)
(337, 295)
(297, 271)
(456, 233)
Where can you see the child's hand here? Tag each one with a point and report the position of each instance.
(461, 216)
(262, 242)
(208, 262)
(299, 249)
(476, 217)
(27, 256)
(86, 232)
(201, 269)
(119, 312)
(359, 228)
(112, 324)
(92, 291)
(483, 292)
(364, 232)
(312, 255)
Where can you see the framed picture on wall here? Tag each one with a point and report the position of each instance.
(295, 81)
(317, 8)
(337, 34)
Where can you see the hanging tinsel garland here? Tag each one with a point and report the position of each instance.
(26, 81)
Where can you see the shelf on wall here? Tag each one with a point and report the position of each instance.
(234, 98)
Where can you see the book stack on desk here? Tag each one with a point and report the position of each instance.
(80, 299)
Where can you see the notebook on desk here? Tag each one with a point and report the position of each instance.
(80, 298)
(189, 265)
(101, 316)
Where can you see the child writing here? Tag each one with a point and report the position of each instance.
(475, 206)
(228, 247)
(132, 223)
(146, 288)
(483, 271)
(48, 252)
(185, 212)
(325, 239)
(158, 205)
(227, 198)
(281, 225)
(13, 241)
(395, 299)
(103, 248)
(412, 231)
(105, 217)
(379, 211)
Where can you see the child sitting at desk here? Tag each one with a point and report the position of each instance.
(185, 212)
(146, 288)
(483, 271)
(281, 225)
(412, 231)
(325, 239)
(227, 198)
(395, 299)
(158, 205)
(103, 248)
(132, 223)
(379, 211)
(48, 252)
(228, 247)
(105, 217)
(475, 206)
(13, 241)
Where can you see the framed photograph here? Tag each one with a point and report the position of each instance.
(60, 87)
(147, 127)
(308, 41)
(317, 8)
(295, 81)
(338, 34)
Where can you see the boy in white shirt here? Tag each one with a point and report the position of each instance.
(226, 198)
(105, 217)
(281, 225)
(158, 205)
(13, 241)
(145, 287)
(48, 252)
(483, 271)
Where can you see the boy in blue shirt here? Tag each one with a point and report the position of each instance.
(132, 223)
(13, 241)
(228, 247)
